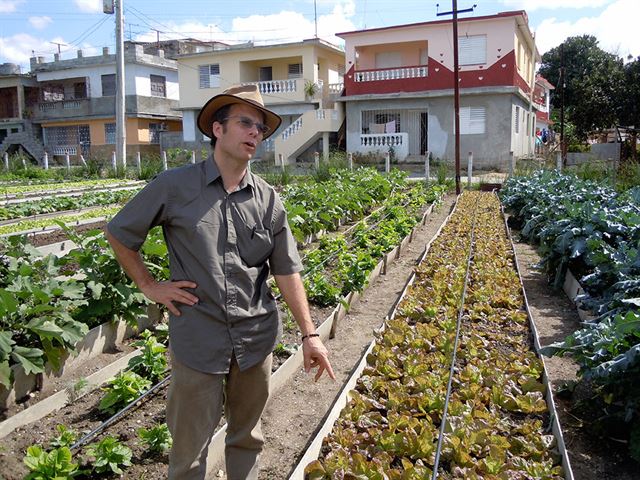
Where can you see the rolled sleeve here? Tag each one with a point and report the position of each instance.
(284, 259)
(146, 210)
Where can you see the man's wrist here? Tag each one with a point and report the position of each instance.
(309, 335)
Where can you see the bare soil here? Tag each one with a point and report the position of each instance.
(297, 410)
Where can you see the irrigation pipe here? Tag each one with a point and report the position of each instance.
(119, 414)
(455, 348)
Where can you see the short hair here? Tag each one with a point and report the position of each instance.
(219, 116)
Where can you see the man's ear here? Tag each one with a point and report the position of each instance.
(217, 129)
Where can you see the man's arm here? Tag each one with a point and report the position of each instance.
(314, 351)
(160, 292)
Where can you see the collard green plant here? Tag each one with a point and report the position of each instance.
(110, 455)
(122, 390)
(54, 465)
(152, 362)
(157, 438)
(65, 438)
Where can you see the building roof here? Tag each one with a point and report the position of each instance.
(515, 13)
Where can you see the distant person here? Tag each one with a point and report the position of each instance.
(226, 230)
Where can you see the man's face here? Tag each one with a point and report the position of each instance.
(239, 136)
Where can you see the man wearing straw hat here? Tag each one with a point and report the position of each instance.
(225, 230)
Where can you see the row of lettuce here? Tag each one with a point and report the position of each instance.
(594, 232)
(496, 418)
(47, 304)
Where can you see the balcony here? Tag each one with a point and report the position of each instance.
(382, 74)
(281, 91)
(387, 80)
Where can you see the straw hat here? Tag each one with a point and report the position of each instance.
(241, 94)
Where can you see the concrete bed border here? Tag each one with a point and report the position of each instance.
(313, 450)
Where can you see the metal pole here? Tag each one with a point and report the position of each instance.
(121, 131)
(139, 163)
(193, 156)
(164, 160)
(114, 163)
(387, 162)
(350, 160)
(469, 168)
(316, 159)
(45, 161)
(67, 162)
(6, 160)
(456, 95)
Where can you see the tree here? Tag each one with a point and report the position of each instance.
(630, 102)
(593, 82)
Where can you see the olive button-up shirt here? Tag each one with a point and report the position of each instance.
(227, 243)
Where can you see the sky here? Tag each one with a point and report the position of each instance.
(44, 27)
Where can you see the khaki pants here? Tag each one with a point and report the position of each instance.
(194, 408)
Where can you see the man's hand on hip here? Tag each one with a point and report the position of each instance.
(316, 355)
(168, 292)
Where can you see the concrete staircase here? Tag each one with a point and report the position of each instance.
(28, 140)
(306, 130)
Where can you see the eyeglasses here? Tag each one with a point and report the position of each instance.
(247, 123)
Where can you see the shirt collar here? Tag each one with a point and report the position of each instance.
(212, 173)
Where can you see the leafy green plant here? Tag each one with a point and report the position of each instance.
(36, 308)
(54, 465)
(152, 362)
(66, 437)
(157, 438)
(122, 390)
(109, 455)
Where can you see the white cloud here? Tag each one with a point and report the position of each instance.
(19, 48)
(9, 6)
(89, 6)
(283, 27)
(40, 23)
(532, 5)
(616, 33)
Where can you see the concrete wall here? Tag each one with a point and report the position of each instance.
(599, 151)
(490, 150)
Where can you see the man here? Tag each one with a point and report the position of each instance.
(225, 229)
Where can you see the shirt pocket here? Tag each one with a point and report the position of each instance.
(255, 244)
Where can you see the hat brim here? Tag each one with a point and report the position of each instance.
(205, 117)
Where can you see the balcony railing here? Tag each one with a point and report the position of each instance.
(292, 129)
(399, 73)
(335, 88)
(271, 87)
(383, 142)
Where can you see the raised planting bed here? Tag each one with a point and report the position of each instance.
(153, 409)
(452, 386)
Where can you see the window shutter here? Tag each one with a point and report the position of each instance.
(295, 70)
(472, 50)
(209, 75)
(473, 120)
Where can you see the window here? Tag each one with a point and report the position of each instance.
(80, 90)
(517, 127)
(110, 133)
(154, 132)
(209, 75)
(295, 70)
(109, 85)
(53, 93)
(380, 122)
(158, 86)
(472, 120)
(473, 49)
(265, 74)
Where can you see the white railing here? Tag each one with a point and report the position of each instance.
(269, 145)
(64, 150)
(335, 88)
(71, 104)
(390, 74)
(46, 106)
(323, 113)
(382, 142)
(292, 129)
(276, 86)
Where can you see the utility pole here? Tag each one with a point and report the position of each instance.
(563, 84)
(456, 87)
(121, 131)
(315, 16)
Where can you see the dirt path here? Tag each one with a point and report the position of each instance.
(297, 410)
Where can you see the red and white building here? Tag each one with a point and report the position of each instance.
(398, 89)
